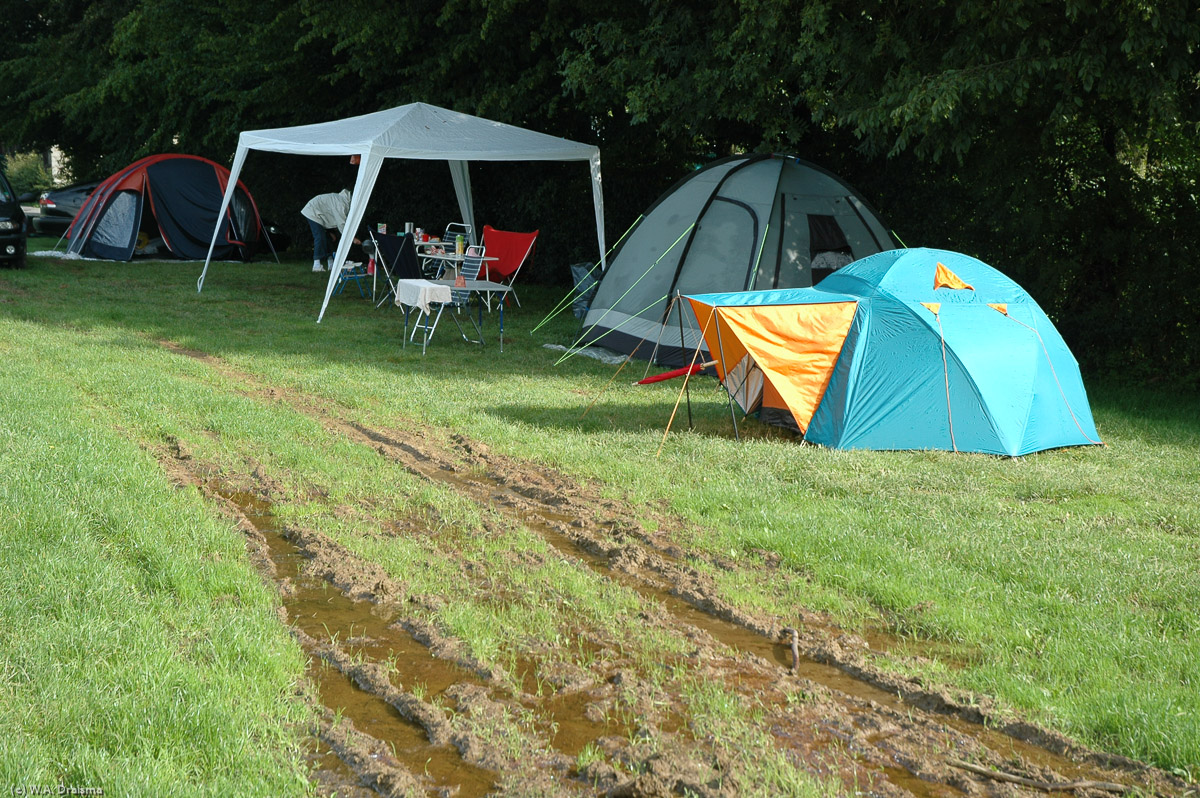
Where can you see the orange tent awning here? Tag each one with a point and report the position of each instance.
(795, 346)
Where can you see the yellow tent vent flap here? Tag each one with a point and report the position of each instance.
(948, 279)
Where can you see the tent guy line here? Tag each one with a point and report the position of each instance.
(1057, 381)
(575, 291)
(946, 377)
(576, 346)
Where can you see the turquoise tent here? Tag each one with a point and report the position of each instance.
(906, 349)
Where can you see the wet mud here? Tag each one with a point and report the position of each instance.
(403, 711)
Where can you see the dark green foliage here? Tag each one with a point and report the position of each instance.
(115, 80)
(1058, 141)
(26, 173)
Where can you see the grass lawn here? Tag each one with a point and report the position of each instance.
(138, 649)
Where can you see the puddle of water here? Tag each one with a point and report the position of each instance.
(568, 727)
(543, 522)
(326, 613)
(918, 786)
(563, 716)
(332, 776)
(407, 740)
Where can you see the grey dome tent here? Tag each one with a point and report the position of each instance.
(743, 223)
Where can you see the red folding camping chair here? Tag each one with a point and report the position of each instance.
(511, 251)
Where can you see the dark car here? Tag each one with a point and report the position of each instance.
(12, 226)
(57, 208)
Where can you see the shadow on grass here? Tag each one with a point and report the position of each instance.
(264, 308)
(1154, 416)
(710, 418)
(260, 308)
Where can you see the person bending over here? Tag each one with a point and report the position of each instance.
(326, 214)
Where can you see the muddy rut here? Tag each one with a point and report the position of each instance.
(405, 708)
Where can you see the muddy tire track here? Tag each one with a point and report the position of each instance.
(369, 759)
(373, 760)
(856, 721)
(522, 490)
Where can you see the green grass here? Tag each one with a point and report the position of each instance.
(139, 653)
(1066, 581)
(723, 718)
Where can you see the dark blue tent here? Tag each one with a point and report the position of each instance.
(175, 198)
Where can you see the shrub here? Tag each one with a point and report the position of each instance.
(26, 172)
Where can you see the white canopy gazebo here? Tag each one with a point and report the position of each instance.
(419, 131)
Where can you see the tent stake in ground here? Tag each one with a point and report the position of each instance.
(686, 377)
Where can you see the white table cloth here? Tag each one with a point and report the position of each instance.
(421, 293)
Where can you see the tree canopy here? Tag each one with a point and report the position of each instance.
(1057, 140)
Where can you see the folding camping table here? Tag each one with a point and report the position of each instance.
(439, 262)
(424, 294)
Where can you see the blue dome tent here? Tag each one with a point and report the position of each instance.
(905, 349)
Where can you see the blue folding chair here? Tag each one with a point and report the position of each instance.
(355, 274)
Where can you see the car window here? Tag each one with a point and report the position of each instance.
(6, 194)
